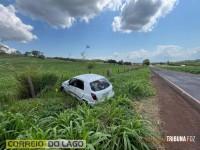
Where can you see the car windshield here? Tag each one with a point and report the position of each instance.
(99, 85)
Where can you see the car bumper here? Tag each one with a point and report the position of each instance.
(99, 101)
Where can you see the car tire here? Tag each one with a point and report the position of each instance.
(84, 101)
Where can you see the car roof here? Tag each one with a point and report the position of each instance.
(89, 77)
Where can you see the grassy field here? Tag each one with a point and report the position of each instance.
(113, 124)
(188, 69)
(10, 65)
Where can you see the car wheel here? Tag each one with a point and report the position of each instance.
(84, 101)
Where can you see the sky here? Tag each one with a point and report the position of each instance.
(131, 30)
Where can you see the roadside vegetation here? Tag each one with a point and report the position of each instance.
(188, 66)
(114, 124)
(188, 69)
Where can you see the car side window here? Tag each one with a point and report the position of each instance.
(73, 82)
(80, 84)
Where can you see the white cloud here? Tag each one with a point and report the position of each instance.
(114, 4)
(141, 15)
(12, 28)
(7, 49)
(166, 53)
(162, 53)
(64, 13)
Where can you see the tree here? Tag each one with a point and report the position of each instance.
(120, 62)
(27, 54)
(84, 53)
(146, 62)
(36, 53)
(127, 63)
(16, 53)
(168, 63)
(111, 61)
(41, 56)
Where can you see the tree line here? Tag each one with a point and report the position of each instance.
(146, 62)
(121, 62)
(34, 53)
(39, 54)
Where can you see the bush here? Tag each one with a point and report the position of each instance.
(8, 90)
(128, 135)
(133, 85)
(10, 127)
(41, 82)
(138, 89)
(90, 66)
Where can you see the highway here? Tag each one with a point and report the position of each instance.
(188, 82)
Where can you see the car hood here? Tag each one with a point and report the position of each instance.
(65, 82)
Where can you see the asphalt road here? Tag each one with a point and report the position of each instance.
(188, 82)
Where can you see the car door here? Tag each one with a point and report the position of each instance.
(79, 91)
(72, 86)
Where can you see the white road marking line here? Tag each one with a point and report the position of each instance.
(183, 91)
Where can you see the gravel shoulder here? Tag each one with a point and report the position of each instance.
(179, 117)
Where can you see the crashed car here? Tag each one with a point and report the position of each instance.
(90, 88)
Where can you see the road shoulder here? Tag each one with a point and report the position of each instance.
(179, 117)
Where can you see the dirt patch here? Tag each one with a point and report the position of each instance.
(149, 110)
(179, 117)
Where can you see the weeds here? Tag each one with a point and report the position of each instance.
(188, 69)
(41, 82)
(80, 123)
(135, 85)
(110, 125)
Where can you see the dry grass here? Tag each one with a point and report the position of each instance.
(149, 110)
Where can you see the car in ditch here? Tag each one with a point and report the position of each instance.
(89, 88)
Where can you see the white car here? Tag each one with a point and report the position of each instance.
(90, 88)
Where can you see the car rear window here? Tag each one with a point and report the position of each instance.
(99, 85)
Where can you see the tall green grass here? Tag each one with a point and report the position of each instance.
(112, 124)
(41, 81)
(136, 85)
(81, 123)
(10, 65)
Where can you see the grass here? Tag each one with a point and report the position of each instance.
(188, 69)
(11, 65)
(113, 124)
(149, 110)
(133, 85)
(41, 82)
